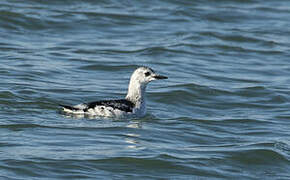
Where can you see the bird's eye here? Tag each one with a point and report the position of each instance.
(147, 74)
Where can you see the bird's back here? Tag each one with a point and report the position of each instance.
(107, 108)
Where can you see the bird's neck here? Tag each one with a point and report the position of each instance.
(136, 93)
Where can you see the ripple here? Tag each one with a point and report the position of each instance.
(101, 67)
(7, 95)
(259, 156)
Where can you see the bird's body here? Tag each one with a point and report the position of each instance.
(134, 105)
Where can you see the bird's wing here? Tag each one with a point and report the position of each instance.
(121, 104)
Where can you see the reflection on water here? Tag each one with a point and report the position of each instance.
(135, 124)
(132, 138)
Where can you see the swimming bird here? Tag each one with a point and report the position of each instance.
(134, 104)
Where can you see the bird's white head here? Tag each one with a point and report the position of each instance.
(144, 75)
(139, 80)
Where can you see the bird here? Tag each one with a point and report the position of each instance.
(133, 105)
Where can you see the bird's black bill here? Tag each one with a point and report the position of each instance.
(160, 77)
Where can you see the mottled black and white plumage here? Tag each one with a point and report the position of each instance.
(133, 105)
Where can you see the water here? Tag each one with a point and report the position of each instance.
(222, 114)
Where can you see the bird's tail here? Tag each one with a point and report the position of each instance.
(69, 109)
